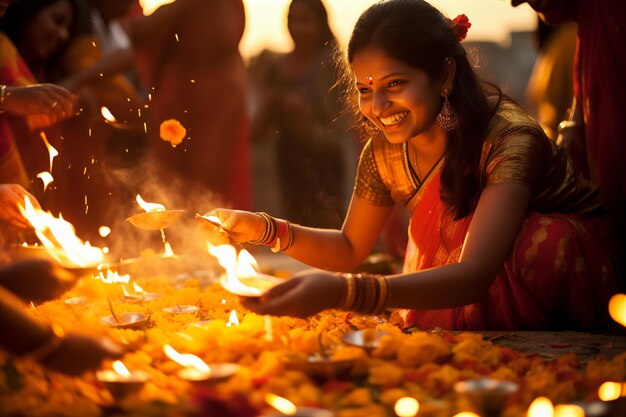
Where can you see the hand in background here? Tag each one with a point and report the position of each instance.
(11, 198)
(79, 353)
(48, 102)
(36, 280)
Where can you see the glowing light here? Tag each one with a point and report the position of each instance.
(121, 369)
(466, 414)
(610, 391)
(242, 265)
(568, 410)
(617, 308)
(169, 253)
(233, 320)
(406, 407)
(46, 177)
(149, 206)
(283, 405)
(541, 407)
(106, 113)
(104, 231)
(52, 152)
(186, 359)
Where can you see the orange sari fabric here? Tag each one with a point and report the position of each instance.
(557, 275)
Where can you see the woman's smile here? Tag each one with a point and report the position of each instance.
(394, 119)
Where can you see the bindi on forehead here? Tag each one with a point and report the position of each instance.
(370, 80)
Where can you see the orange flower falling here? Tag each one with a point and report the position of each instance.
(172, 131)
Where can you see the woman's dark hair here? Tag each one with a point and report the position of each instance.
(327, 37)
(417, 34)
(21, 12)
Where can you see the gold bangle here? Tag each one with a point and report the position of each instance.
(567, 124)
(348, 301)
(3, 91)
(48, 347)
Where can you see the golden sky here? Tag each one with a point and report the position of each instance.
(266, 20)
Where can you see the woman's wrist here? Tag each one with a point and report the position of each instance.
(47, 347)
(364, 293)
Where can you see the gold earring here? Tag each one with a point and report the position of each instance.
(446, 119)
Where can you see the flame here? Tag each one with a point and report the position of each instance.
(120, 368)
(137, 288)
(51, 150)
(104, 231)
(617, 308)
(466, 414)
(106, 113)
(242, 265)
(406, 407)
(610, 391)
(169, 253)
(568, 410)
(46, 177)
(541, 407)
(125, 291)
(149, 206)
(186, 359)
(232, 319)
(281, 404)
(113, 277)
(56, 233)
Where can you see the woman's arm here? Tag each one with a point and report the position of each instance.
(496, 223)
(335, 250)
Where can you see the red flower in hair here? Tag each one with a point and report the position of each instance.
(460, 25)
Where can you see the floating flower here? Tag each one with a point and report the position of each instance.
(172, 131)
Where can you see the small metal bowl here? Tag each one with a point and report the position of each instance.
(368, 339)
(155, 220)
(125, 320)
(488, 395)
(184, 309)
(318, 366)
(220, 372)
(119, 386)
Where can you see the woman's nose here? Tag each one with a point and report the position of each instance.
(380, 103)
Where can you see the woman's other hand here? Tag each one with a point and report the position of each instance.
(49, 102)
(12, 196)
(36, 280)
(79, 353)
(302, 296)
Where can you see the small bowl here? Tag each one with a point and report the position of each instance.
(184, 309)
(368, 339)
(488, 395)
(155, 220)
(317, 366)
(220, 372)
(125, 320)
(121, 386)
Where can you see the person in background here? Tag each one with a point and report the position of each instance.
(502, 235)
(25, 338)
(593, 133)
(297, 109)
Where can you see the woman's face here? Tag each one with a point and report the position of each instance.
(399, 99)
(49, 30)
(303, 25)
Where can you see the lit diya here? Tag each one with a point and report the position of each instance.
(155, 216)
(368, 339)
(128, 320)
(197, 371)
(488, 395)
(287, 408)
(120, 381)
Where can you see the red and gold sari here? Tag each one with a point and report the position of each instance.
(560, 272)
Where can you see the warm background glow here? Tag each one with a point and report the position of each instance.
(492, 20)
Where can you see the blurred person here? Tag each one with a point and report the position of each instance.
(188, 60)
(503, 234)
(550, 88)
(593, 133)
(297, 110)
(25, 338)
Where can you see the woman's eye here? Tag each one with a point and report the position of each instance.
(363, 90)
(395, 83)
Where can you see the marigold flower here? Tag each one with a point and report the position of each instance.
(172, 131)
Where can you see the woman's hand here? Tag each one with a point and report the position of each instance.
(301, 296)
(11, 198)
(79, 353)
(244, 226)
(49, 101)
(36, 280)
